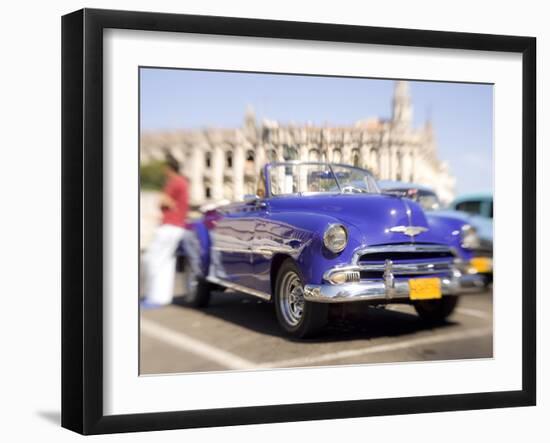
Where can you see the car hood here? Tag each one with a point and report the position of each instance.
(373, 215)
(483, 225)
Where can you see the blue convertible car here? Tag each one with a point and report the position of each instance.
(317, 234)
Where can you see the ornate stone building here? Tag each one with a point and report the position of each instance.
(223, 164)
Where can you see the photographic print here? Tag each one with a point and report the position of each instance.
(268, 221)
(294, 221)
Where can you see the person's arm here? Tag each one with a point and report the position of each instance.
(166, 201)
(183, 198)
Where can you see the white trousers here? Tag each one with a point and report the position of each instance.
(160, 264)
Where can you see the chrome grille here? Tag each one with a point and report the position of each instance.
(405, 260)
(353, 276)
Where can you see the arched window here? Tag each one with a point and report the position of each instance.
(208, 192)
(272, 155)
(208, 159)
(337, 156)
(229, 159)
(313, 155)
(249, 167)
(355, 158)
(290, 153)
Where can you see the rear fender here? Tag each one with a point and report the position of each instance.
(195, 246)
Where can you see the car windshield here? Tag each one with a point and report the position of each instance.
(428, 201)
(308, 178)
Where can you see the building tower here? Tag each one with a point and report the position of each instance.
(250, 122)
(402, 107)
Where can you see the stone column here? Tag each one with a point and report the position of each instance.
(346, 154)
(393, 163)
(364, 157)
(384, 172)
(259, 158)
(196, 176)
(406, 165)
(217, 173)
(238, 172)
(415, 175)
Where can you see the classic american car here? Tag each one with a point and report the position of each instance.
(317, 234)
(477, 258)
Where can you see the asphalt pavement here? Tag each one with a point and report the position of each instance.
(238, 332)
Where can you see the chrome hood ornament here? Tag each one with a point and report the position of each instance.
(411, 231)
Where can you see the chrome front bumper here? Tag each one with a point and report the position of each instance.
(380, 291)
(373, 290)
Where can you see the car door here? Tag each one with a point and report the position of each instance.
(232, 237)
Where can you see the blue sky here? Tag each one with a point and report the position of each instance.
(461, 114)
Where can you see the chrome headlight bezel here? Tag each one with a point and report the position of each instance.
(469, 238)
(335, 238)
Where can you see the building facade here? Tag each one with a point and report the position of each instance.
(224, 164)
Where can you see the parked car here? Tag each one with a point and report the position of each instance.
(318, 234)
(480, 204)
(477, 209)
(477, 258)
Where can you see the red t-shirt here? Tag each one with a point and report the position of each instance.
(176, 189)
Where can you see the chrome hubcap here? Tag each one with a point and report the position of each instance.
(291, 299)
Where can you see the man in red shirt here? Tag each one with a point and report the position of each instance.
(160, 259)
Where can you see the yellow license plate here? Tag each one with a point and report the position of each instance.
(424, 288)
(482, 264)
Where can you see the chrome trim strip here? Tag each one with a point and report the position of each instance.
(400, 248)
(265, 251)
(396, 268)
(407, 210)
(411, 268)
(239, 288)
(236, 250)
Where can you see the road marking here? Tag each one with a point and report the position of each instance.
(406, 344)
(464, 311)
(473, 313)
(189, 344)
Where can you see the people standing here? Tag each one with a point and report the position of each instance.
(160, 258)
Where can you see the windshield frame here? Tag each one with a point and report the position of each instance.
(271, 165)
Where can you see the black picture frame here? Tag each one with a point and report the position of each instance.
(82, 219)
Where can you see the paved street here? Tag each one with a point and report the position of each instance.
(241, 332)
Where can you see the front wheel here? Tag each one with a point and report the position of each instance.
(196, 289)
(436, 311)
(297, 317)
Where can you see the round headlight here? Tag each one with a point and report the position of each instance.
(335, 238)
(470, 240)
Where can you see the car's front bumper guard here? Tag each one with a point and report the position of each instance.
(387, 290)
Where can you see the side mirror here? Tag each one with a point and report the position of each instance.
(250, 198)
(254, 200)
